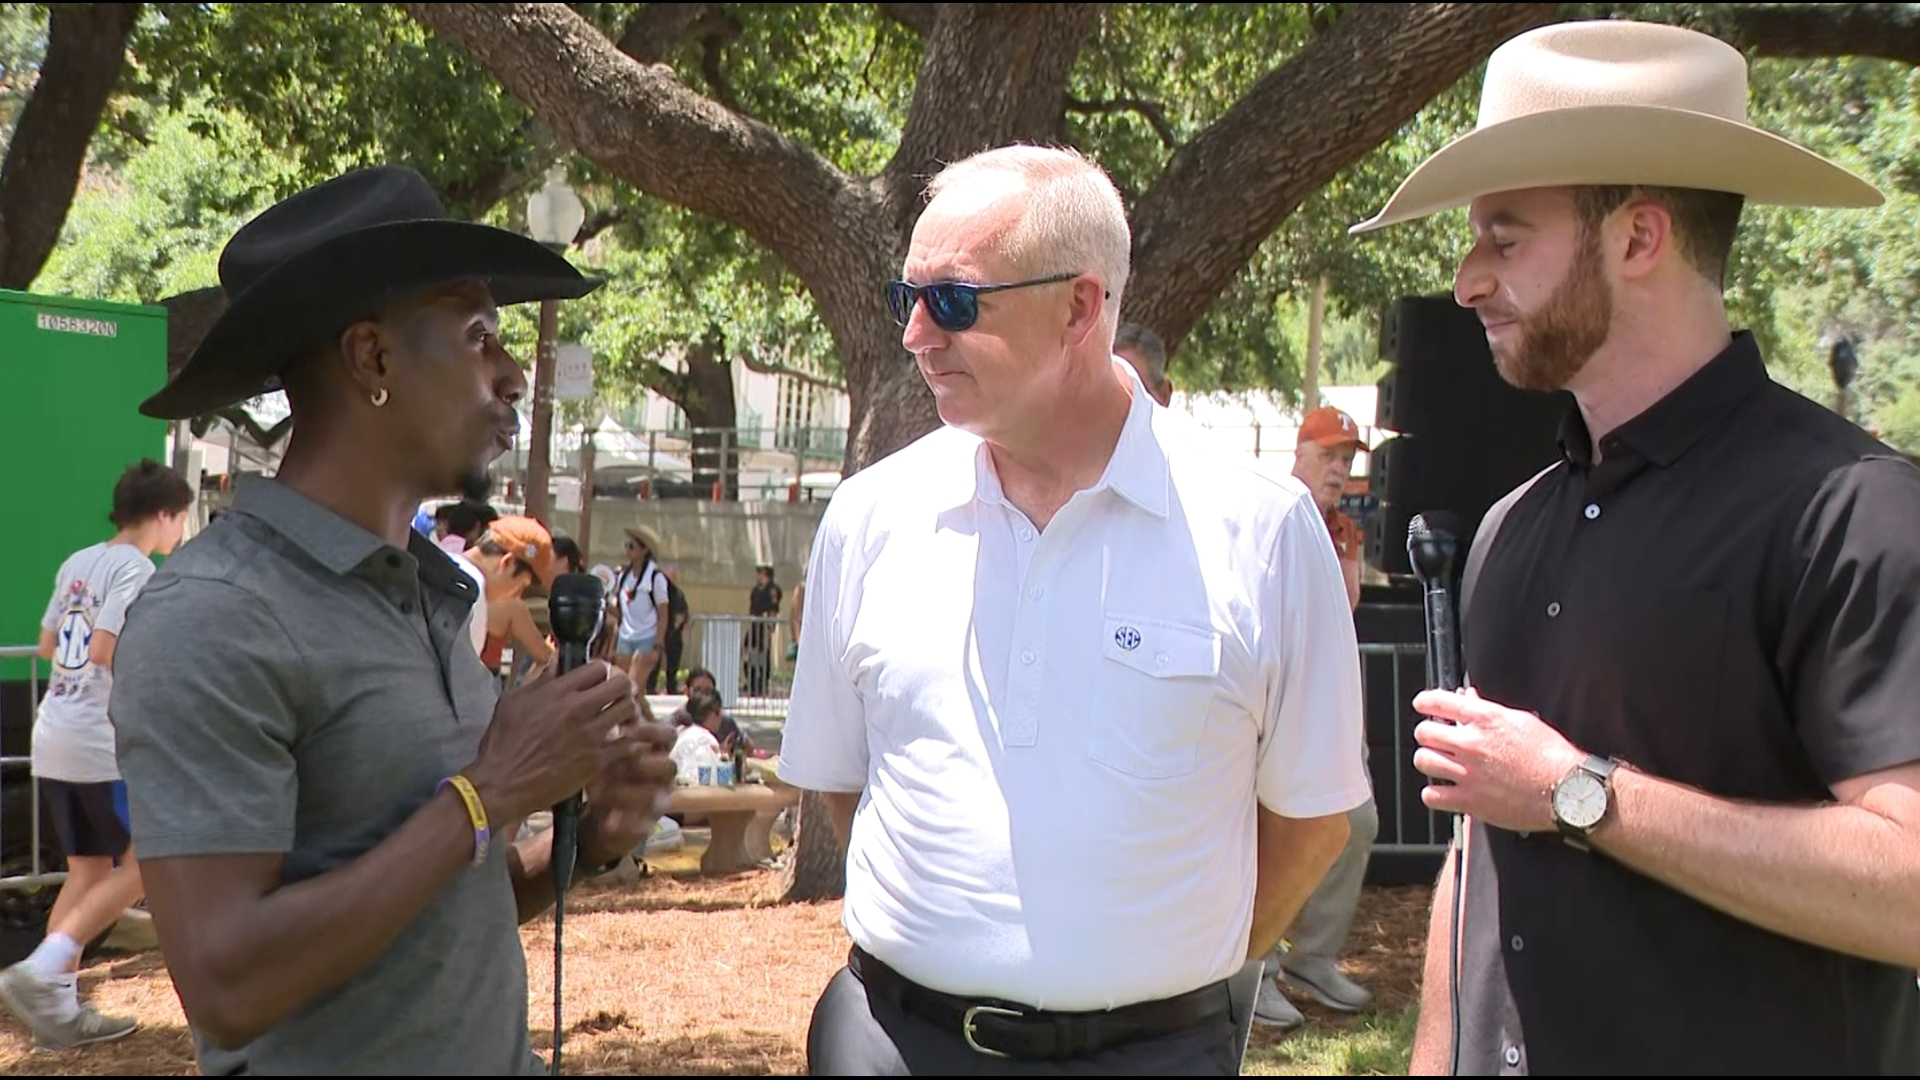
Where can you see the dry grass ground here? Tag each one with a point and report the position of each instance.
(679, 975)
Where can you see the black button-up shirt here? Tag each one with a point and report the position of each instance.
(1725, 600)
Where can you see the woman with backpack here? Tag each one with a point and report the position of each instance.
(640, 594)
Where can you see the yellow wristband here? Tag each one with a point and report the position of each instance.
(476, 811)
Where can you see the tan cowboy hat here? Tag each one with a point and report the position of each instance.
(1618, 102)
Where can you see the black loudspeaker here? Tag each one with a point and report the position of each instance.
(1464, 436)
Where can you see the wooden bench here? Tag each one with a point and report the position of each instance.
(740, 818)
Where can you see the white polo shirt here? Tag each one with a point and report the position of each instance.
(1061, 735)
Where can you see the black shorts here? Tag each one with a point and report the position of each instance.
(91, 818)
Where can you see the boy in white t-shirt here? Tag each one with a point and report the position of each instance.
(74, 759)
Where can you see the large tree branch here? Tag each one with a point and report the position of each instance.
(659, 378)
(1347, 92)
(1154, 113)
(775, 367)
(656, 28)
(916, 17)
(717, 31)
(510, 172)
(1321, 17)
(641, 123)
(840, 235)
(86, 48)
(600, 221)
(992, 74)
(1804, 31)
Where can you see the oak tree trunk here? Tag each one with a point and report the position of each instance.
(1806, 31)
(86, 49)
(990, 74)
(817, 869)
(707, 400)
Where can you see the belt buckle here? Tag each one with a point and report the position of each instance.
(967, 1032)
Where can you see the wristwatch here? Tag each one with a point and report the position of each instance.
(1582, 798)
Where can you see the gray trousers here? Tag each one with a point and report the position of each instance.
(1321, 928)
(857, 1032)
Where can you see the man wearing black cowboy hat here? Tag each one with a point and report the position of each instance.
(324, 781)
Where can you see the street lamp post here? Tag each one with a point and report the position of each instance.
(554, 217)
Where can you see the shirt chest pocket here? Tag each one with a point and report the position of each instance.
(1153, 690)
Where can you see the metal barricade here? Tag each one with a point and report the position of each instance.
(748, 657)
(38, 875)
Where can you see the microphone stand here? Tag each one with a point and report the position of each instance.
(1433, 547)
(574, 607)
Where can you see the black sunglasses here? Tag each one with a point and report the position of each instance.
(953, 305)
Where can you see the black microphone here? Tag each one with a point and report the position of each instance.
(575, 605)
(1433, 546)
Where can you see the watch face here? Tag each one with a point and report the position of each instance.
(1580, 800)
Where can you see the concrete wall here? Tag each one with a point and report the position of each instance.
(713, 545)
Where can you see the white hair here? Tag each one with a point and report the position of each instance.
(1074, 221)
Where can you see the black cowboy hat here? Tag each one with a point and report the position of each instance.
(313, 264)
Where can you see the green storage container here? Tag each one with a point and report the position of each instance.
(72, 376)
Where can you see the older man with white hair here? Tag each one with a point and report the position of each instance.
(1093, 762)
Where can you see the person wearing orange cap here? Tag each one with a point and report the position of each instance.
(513, 554)
(1307, 960)
(1323, 461)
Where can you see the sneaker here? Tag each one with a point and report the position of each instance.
(1324, 983)
(84, 1029)
(667, 837)
(1272, 1009)
(41, 1004)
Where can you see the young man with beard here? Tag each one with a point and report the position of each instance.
(1690, 757)
(325, 783)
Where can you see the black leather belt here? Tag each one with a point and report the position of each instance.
(1008, 1030)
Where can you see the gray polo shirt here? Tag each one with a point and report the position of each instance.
(290, 683)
